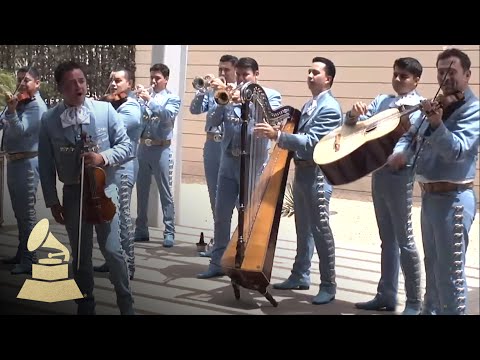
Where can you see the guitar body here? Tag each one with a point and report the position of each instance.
(351, 152)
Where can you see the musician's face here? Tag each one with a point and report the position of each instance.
(119, 83)
(457, 78)
(27, 83)
(246, 75)
(73, 87)
(317, 79)
(227, 70)
(403, 82)
(158, 81)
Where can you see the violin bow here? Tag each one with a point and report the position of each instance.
(80, 217)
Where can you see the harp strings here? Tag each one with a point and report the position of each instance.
(258, 150)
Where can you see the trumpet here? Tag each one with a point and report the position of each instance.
(224, 96)
(205, 83)
(202, 84)
(140, 88)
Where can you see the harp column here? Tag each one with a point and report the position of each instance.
(175, 57)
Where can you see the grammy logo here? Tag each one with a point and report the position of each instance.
(50, 282)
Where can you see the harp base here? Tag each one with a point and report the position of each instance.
(250, 280)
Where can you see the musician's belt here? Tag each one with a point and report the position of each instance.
(214, 136)
(304, 163)
(443, 186)
(21, 155)
(150, 142)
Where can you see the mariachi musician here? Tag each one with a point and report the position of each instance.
(21, 124)
(160, 108)
(392, 193)
(204, 102)
(64, 131)
(124, 100)
(447, 142)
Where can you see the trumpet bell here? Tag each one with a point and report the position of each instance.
(222, 97)
(199, 83)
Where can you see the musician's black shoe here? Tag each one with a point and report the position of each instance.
(210, 274)
(291, 284)
(142, 239)
(377, 304)
(102, 268)
(11, 260)
(21, 269)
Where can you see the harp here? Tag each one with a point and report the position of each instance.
(248, 258)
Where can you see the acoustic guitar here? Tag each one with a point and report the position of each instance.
(351, 152)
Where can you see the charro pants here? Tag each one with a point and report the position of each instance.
(157, 161)
(446, 220)
(392, 193)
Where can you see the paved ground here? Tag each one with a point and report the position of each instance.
(165, 280)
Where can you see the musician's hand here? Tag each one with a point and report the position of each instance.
(266, 130)
(93, 159)
(12, 102)
(217, 83)
(236, 97)
(144, 95)
(397, 161)
(433, 112)
(58, 213)
(359, 108)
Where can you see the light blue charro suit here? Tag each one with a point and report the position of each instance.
(229, 173)
(201, 103)
(392, 193)
(159, 119)
(21, 136)
(312, 193)
(447, 154)
(130, 113)
(58, 155)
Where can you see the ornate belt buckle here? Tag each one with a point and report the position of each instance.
(236, 152)
(148, 142)
(217, 137)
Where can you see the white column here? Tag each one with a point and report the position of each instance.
(175, 57)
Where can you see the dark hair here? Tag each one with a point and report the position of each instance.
(230, 58)
(162, 68)
(464, 59)
(30, 70)
(329, 67)
(129, 76)
(247, 63)
(65, 67)
(409, 64)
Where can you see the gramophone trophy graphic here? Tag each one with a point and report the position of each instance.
(50, 282)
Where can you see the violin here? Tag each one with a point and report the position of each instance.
(24, 96)
(20, 97)
(115, 99)
(97, 208)
(448, 103)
